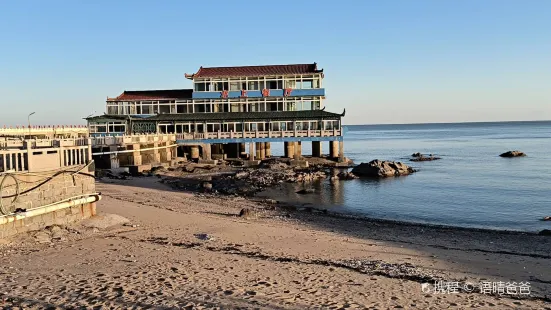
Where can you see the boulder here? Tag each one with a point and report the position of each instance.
(513, 154)
(547, 218)
(247, 213)
(306, 191)
(381, 169)
(345, 175)
(416, 154)
(545, 232)
(422, 157)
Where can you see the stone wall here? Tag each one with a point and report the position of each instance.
(60, 217)
(44, 188)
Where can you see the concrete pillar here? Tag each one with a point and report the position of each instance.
(298, 150)
(268, 149)
(251, 151)
(195, 152)
(258, 150)
(242, 150)
(290, 149)
(341, 151)
(333, 149)
(206, 151)
(316, 149)
(262, 150)
(156, 153)
(135, 158)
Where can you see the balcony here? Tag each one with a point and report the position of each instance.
(258, 93)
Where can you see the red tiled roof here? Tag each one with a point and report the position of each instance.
(255, 71)
(161, 94)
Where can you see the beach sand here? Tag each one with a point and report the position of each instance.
(273, 260)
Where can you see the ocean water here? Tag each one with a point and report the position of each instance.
(471, 186)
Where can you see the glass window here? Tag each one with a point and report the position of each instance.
(290, 84)
(307, 105)
(200, 87)
(253, 86)
(235, 86)
(146, 109)
(306, 84)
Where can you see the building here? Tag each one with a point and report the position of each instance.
(228, 107)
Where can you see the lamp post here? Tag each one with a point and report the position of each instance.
(29, 121)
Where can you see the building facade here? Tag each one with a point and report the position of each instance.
(275, 103)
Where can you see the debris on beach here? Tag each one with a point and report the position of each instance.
(381, 168)
(513, 154)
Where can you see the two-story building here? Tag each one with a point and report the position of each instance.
(231, 106)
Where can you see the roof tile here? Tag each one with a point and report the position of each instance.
(255, 71)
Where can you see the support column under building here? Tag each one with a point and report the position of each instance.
(341, 151)
(333, 149)
(251, 151)
(268, 148)
(316, 149)
(135, 159)
(206, 151)
(262, 150)
(242, 150)
(289, 149)
(298, 150)
(194, 152)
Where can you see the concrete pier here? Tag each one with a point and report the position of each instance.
(289, 149)
(268, 149)
(298, 150)
(333, 149)
(341, 151)
(242, 151)
(194, 153)
(316, 149)
(206, 152)
(251, 151)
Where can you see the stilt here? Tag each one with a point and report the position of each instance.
(341, 151)
(316, 149)
(333, 149)
(251, 151)
(298, 150)
(290, 149)
(194, 152)
(268, 149)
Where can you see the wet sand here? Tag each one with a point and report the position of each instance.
(276, 259)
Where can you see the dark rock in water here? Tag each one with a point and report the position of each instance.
(545, 232)
(513, 154)
(416, 154)
(425, 158)
(547, 218)
(306, 191)
(380, 169)
(345, 175)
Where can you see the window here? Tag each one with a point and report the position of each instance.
(307, 105)
(274, 84)
(220, 86)
(146, 109)
(164, 109)
(111, 110)
(200, 87)
(306, 84)
(253, 86)
(291, 84)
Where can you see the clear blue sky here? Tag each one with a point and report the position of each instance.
(384, 61)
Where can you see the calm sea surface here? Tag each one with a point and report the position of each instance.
(471, 186)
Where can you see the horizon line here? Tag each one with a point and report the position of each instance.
(444, 123)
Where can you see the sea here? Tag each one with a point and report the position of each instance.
(470, 186)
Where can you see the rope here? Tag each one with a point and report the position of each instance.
(3, 209)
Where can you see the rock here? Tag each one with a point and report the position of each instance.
(513, 154)
(380, 169)
(545, 232)
(547, 218)
(247, 213)
(345, 175)
(270, 201)
(306, 191)
(422, 157)
(207, 186)
(416, 154)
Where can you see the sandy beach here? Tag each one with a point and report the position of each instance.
(181, 250)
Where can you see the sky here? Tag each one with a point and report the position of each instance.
(384, 61)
